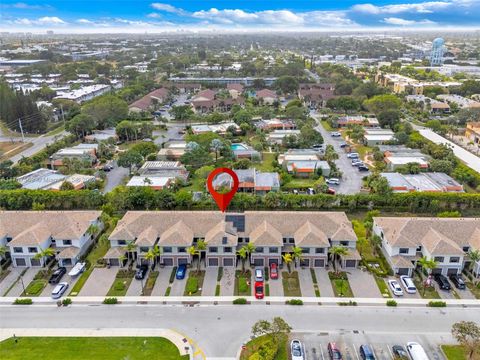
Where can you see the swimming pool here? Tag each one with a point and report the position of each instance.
(238, 147)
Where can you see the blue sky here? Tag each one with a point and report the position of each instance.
(91, 16)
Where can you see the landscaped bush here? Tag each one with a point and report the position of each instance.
(217, 290)
(110, 301)
(125, 273)
(314, 276)
(172, 274)
(66, 301)
(167, 292)
(23, 302)
(240, 301)
(219, 274)
(192, 285)
(349, 303)
(294, 302)
(436, 303)
(391, 303)
(242, 285)
(265, 273)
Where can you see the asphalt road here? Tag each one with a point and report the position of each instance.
(220, 330)
(114, 177)
(351, 181)
(38, 144)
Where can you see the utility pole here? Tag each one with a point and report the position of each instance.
(21, 129)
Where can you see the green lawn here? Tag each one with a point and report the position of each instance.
(266, 163)
(80, 348)
(474, 289)
(454, 352)
(194, 284)
(291, 284)
(254, 344)
(340, 284)
(326, 125)
(299, 184)
(243, 283)
(150, 283)
(430, 292)
(35, 288)
(121, 283)
(382, 286)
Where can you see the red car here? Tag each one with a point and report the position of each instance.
(331, 191)
(273, 271)
(259, 294)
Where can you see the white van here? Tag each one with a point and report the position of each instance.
(416, 351)
(408, 284)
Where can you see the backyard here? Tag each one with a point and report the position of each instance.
(73, 348)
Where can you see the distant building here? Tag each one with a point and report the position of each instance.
(247, 81)
(316, 95)
(102, 135)
(84, 94)
(149, 101)
(472, 132)
(276, 136)
(423, 182)
(460, 101)
(216, 128)
(375, 137)
(307, 168)
(173, 150)
(170, 169)
(45, 179)
(438, 49)
(83, 152)
(244, 151)
(275, 124)
(266, 96)
(154, 182)
(357, 120)
(250, 180)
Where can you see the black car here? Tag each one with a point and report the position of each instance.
(57, 275)
(399, 352)
(457, 281)
(363, 168)
(442, 282)
(141, 272)
(343, 145)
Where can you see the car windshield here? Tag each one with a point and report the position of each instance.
(336, 355)
(259, 289)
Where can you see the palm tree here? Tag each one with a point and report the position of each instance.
(157, 252)
(336, 252)
(201, 247)
(130, 249)
(250, 249)
(297, 254)
(150, 256)
(193, 252)
(427, 265)
(93, 229)
(48, 252)
(121, 258)
(474, 257)
(287, 259)
(243, 255)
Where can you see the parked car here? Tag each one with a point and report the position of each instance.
(330, 191)
(295, 191)
(335, 134)
(363, 168)
(59, 290)
(334, 352)
(57, 275)
(273, 271)
(366, 353)
(399, 352)
(395, 287)
(357, 162)
(442, 282)
(141, 272)
(310, 191)
(78, 269)
(259, 290)
(333, 181)
(317, 146)
(408, 284)
(416, 351)
(343, 145)
(457, 281)
(259, 275)
(353, 155)
(181, 272)
(296, 350)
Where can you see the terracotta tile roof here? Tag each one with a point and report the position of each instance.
(145, 102)
(220, 232)
(265, 234)
(266, 93)
(68, 252)
(310, 235)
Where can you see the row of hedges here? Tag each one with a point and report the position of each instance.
(144, 198)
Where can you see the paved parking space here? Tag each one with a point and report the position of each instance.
(135, 288)
(276, 287)
(99, 282)
(17, 289)
(405, 294)
(178, 286)
(465, 294)
(315, 344)
(9, 280)
(227, 283)
(324, 284)
(363, 284)
(210, 281)
(66, 278)
(306, 282)
(162, 282)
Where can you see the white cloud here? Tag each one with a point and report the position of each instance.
(85, 21)
(46, 20)
(154, 15)
(425, 7)
(167, 8)
(405, 22)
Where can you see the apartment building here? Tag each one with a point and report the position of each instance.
(224, 234)
(27, 233)
(446, 240)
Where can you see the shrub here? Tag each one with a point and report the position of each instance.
(23, 302)
(220, 274)
(172, 274)
(314, 276)
(391, 303)
(192, 285)
(436, 303)
(294, 302)
(66, 301)
(350, 303)
(167, 292)
(265, 271)
(240, 301)
(110, 301)
(125, 273)
(217, 290)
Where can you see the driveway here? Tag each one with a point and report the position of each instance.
(178, 286)
(210, 281)
(9, 280)
(17, 289)
(324, 284)
(114, 177)
(66, 278)
(99, 282)
(135, 288)
(162, 282)
(306, 282)
(351, 181)
(227, 283)
(276, 287)
(363, 284)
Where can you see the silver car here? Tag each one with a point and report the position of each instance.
(296, 350)
(59, 290)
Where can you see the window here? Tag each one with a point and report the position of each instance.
(121, 242)
(67, 242)
(32, 250)
(466, 249)
(240, 240)
(17, 250)
(227, 249)
(291, 241)
(143, 249)
(284, 240)
(305, 250)
(167, 249)
(247, 240)
(344, 243)
(419, 248)
(319, 250)
(35, 262)
(9, 238)
(403, 251)
(439, 259)
(213, 249)
(273, 250)
(454, 259)
(182, 249)
(259, 250)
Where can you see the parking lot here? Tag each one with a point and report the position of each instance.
(348, 342)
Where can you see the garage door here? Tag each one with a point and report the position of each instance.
(182, 261)
(351, 263)
(319, 263)
(227, 262)
(272, 261)
(258, 262)
(437, 271)
(305, 262)
(402, 271)
(168, 261)
(114, 262)
(452, 271)
(20, 262)
(212, 261)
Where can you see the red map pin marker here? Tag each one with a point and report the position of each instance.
(222, 200)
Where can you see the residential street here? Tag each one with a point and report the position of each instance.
(220, 330)
(38, 144)
(114, 177)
